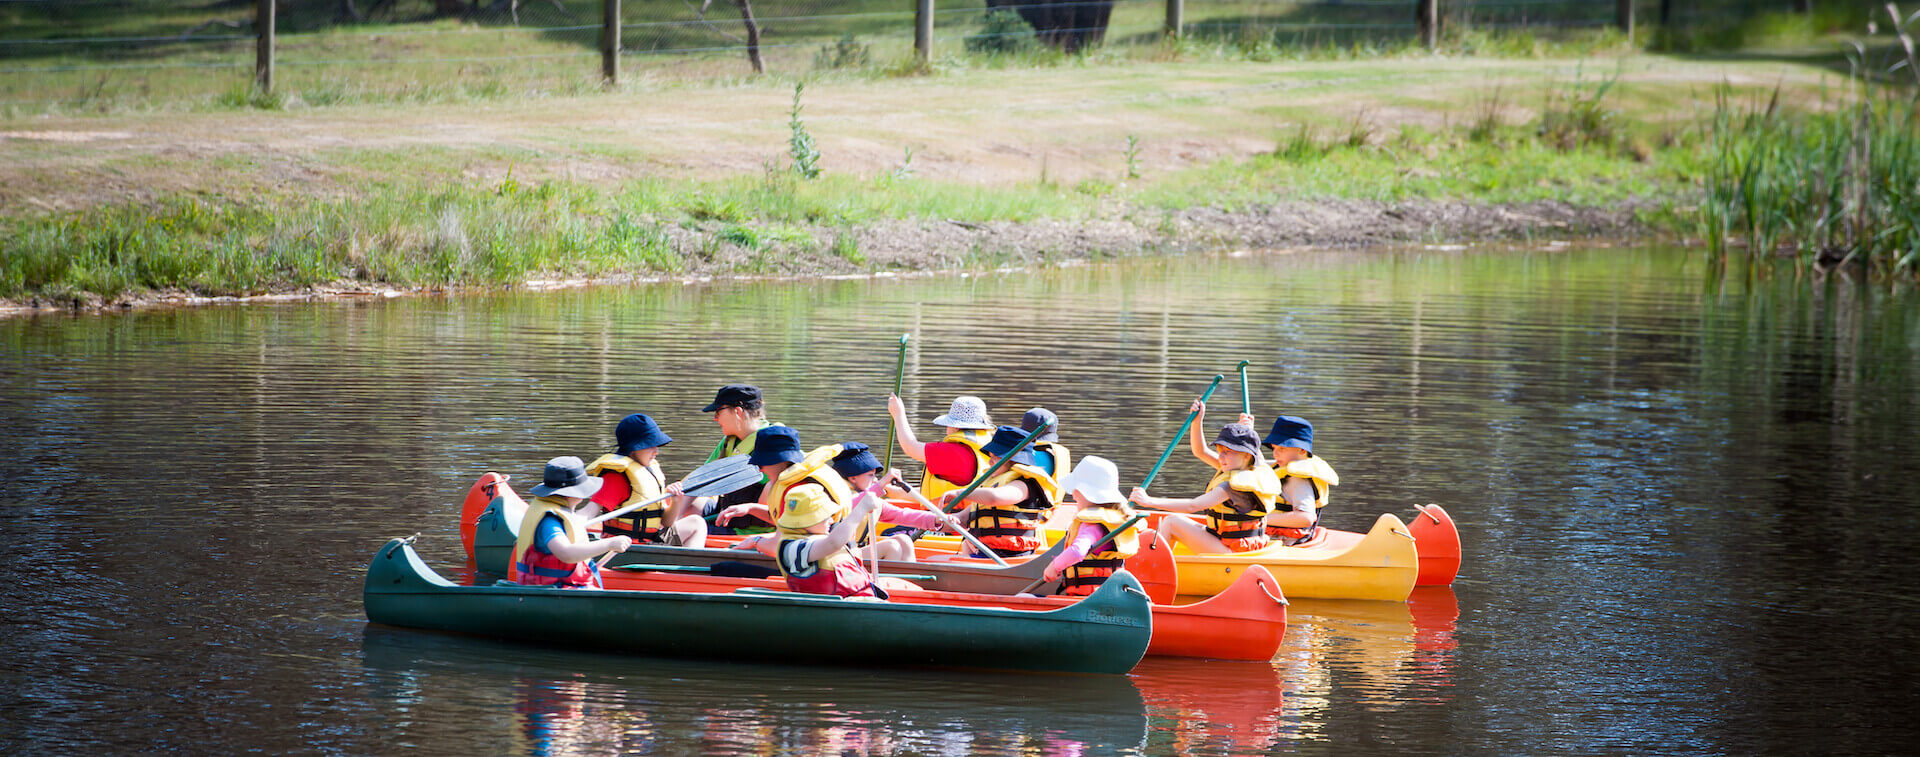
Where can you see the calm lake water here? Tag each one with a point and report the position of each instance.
(1688, 504)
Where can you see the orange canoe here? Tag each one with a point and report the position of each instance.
(1245, 622)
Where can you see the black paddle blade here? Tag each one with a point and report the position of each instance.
(732, 482)
(715, 471)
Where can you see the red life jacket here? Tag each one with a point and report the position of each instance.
(644, 482)
(533, 567)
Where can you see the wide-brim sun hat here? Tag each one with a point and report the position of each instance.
(1038, 417)
(776, 444)
(967, 411)
(637, 432)
(1291, 431)
(1238, 437)
(806, 506)
(1005, 438)
(1095, 479)
(566, 477)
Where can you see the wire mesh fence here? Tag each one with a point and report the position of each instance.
(108, 53)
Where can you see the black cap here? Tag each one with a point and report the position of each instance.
(1239, 437)
(733, 395)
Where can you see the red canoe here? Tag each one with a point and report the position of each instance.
(1245, 622)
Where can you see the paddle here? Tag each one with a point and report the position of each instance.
(873, 519)
(708, 569)
(1090, 550)
(1180, 433)
(1246, 403)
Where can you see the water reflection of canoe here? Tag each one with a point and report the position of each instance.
(1105, 633)
(1380, 649)
(1381, 565)
(1215, 707)
(487, 693)
(490, 523)
(1246, 622)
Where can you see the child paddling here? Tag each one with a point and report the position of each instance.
(1048, 453)
(776, 450)
(1095, 487)
(1235, 503)
(553, 549)
(1009, 508)
(954, 461)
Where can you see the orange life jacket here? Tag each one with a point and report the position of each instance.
(1014, 529)
(1081, 578)
(1241, 530)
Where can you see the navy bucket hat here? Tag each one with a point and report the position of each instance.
(637, 432)
(1291, 431)
(1005, 438)
(854, 459)
(1038, 417)
(776, 444)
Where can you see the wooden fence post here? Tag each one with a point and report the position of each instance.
(610, 44)
(1623, 9)
(263, 50)
(1427, 17)
(923, 31)
(1176, 17)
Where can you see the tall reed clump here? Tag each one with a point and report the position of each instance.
(1831, 188)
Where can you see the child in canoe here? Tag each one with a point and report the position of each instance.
(861, 469)
(1235, 503)
(1095, 486)
(776, 450)
(553, 549)
(1304, 482)
(813, 552)
(631, 475)
(1009, 508)
(954, 461)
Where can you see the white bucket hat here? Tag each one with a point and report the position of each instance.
(967, 412)
(1095, 478)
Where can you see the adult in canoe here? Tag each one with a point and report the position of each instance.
(954, 461)
(815, 533)
(1048, 453)
(1009, 508)
(741, 413)
(1235, 503)
(1305, 481)
(631, 475)
(1095, 486)
(553, 549)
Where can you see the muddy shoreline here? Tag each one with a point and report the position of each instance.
(923, 246)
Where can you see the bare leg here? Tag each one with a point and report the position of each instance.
(1194, 535)
(692, 531)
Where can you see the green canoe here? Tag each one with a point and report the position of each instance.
(1104, 633)
(499, 526)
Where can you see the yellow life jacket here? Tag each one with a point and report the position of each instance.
(817, 468)
(644, 482)
(1016, 527)
(1321, 475)
(1259, 484)
(932, 486)
(1083, 577)
(1062, 457)
(531, 566)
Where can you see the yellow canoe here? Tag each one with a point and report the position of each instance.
(1382, 565)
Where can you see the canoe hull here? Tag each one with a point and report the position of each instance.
(1381, 566)
(1106, 633)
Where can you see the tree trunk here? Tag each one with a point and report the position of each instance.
(1666, 12)
(1803, 6)
(450, 8)
(753, 36)
(350, 13)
